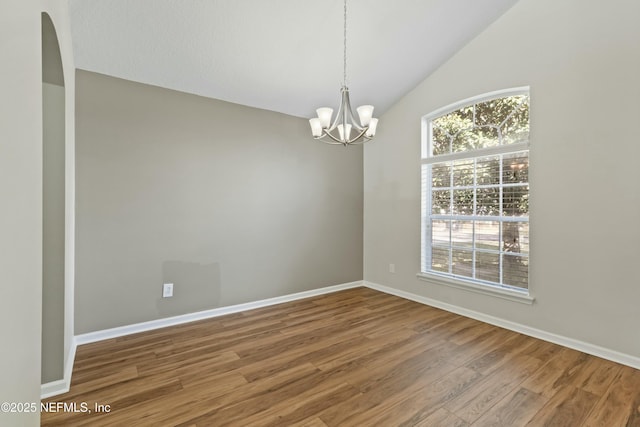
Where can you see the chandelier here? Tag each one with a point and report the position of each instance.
(348, 130)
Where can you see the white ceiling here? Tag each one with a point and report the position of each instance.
(279, 55)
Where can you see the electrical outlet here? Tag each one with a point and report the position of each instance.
(167, 290)
(392, 268)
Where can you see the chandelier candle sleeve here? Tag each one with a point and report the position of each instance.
(316, 127)
(371, 132)
(365, 112)
(324, 114)
(344, 135)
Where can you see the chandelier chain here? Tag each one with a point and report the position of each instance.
(344, 77)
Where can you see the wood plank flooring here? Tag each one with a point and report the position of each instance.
(352, 358)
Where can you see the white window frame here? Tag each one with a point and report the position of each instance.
(460, 282)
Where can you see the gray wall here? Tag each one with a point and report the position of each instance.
(53, 255)
(582, 62)
(231, 204)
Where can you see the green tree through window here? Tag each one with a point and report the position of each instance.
(475, 190)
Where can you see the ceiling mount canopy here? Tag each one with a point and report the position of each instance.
(344, 130)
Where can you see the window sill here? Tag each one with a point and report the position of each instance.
(508, 294)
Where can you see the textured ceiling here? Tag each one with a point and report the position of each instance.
(279, 55)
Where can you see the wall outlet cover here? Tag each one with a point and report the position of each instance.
(167, 290)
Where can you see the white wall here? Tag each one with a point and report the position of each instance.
(58, 11)
(21, 195)
(21, 213)
(582, 62)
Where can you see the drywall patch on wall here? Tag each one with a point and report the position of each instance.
(196, 287)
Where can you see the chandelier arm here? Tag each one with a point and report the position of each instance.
(330, 135)
(336, 121)
(345, 117)
(349, 113)
(361, 141)
(352, 141)
(319, 138)
(355, 140)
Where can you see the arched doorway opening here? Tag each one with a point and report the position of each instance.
(53, 205)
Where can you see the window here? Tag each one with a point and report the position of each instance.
(475, 192)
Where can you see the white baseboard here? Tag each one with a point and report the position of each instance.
(207, 314)
(585, 347)
(62, 386)
(55, 388)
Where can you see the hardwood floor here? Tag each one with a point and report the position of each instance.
(352, 358)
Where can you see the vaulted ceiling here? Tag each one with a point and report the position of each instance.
(279, 55)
